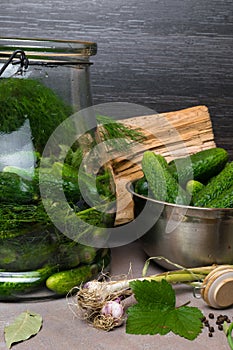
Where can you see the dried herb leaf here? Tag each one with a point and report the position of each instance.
(24, 326)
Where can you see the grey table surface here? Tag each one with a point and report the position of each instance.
(62, 329)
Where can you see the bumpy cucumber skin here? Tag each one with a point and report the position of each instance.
(71, 254)
(141, 186)
(27, 252)
(193, 187)
(200, 166)
(216, 186)
(62, 282)
(161, 183)
(14, 189)
(224, 200)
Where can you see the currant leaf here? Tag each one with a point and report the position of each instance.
(156, 313)
(160, 293)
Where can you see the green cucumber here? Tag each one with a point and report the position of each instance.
(161, 183)
(57, 179)
(70, 254)
(29, 251)
(15, 189)
(224, 200)
(19, 220)
(15, 185)
(141, 186)
(193, 187)
(12, 283)
(23, 173)
(62, 282)
(215, 187)
(200, 166)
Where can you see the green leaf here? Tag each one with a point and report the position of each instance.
(23, 327)
(155, 312)
(147, 319)
(186, 322)
(154, 292)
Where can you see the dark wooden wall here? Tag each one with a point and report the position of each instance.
(162, 54)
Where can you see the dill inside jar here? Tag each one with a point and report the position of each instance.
(42, 83)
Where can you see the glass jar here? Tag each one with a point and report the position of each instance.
(42, 83)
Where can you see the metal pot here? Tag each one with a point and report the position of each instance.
(185, 235)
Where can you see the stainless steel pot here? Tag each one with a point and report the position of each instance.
(185, 235)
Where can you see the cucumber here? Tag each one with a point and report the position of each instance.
(70, 254)
(161, 183)
(12, 283)
(193, 187)
(55, 181)
(62, 282)
(29, 251)
(215, 187)
(23, 173)
(15, 189)
(22, 219)
(141, 186)
(224, 200)
(15, 185)
(200, 166)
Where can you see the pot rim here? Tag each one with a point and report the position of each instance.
(224, 211)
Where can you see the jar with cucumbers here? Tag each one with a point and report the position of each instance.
(42, 83)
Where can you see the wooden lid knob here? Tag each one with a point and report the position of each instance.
(223, 294)
(218, 288)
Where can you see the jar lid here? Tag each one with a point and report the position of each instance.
(48, 50)
(218, 286)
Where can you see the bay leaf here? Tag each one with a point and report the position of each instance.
(24, 326)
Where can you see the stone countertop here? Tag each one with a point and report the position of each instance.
(62, 329)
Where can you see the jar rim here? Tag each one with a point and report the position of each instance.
(45, 49)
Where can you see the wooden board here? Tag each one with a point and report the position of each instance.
(173, 134)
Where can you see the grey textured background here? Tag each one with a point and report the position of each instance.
(163, 54)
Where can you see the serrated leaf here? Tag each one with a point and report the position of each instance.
(160, 293)
(186, 322)
(160, 316)
(148, 319)
(24, 326)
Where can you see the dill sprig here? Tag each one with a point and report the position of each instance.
(15, 218)
(121, 136)
(22, 99)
